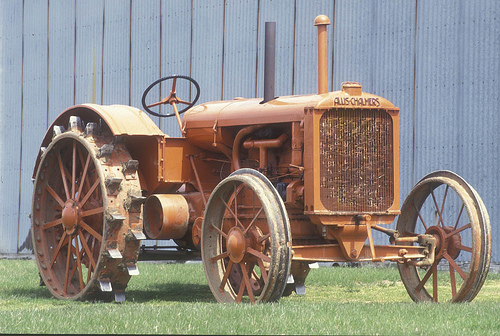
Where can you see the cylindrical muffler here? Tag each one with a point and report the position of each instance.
(166, 216)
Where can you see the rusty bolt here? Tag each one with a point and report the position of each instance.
(403, 252)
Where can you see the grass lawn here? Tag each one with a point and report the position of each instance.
(175, 299)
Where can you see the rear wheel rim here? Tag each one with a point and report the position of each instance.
(82, 218)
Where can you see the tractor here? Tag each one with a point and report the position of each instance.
(259, 188)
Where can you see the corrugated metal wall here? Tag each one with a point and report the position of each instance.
(436, 60)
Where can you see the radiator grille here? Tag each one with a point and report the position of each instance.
(356, 159)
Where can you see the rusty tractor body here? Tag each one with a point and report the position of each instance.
(259, 188)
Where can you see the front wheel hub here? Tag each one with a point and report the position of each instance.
(444, 243)
(236, 244)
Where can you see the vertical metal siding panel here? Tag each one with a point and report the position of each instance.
(11, 16)
(145, 61)
(355, 35)
(240, 49)
(61, 57)
(116, 56)
(175, 53)
(281, 12)
(306, 45)
(480, 148)
(438, 116)
(207, 47)
(89, 30)
(457, 74)
(34, 122)
(393, 75)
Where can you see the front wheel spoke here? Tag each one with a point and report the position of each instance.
(454, 232)
(226, 276)
(465, 248)
(247, 281)
(253, 220)
(440, 220)
(420, 216)
(442, 204)
(258, 254)
(241, 290)
(264, 237)
(90, 230)
(434, 283)
(58, 249)
(232, 213)
(454, 265)
(222, 233)
(55, 195)
(51, 224)
(263, 270)
(426, 277)
(92, 212)
(459, 215)
(220, 256)
(453, 282)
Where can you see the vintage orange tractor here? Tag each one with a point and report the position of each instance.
(261, 188)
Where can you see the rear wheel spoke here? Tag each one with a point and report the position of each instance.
(58, 249)
(52, 224)
(55, 195)
(63, 175)
(87, 249)
(66, 276)
(79, 264)
(89, 193)
(92, 212)
(90, 230)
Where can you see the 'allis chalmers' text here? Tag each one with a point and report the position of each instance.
(353, 101)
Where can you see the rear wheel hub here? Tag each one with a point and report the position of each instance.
(70, 216)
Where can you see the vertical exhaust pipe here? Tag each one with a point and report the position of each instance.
(321, 22)
(269, 61)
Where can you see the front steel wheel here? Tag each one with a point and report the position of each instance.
(84, 216)
(246, 242)
(442, 204)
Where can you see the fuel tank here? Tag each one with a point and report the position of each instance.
(217, 121)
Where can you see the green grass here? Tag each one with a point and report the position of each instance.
(175, 299)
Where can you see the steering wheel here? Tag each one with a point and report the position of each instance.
(172, 98)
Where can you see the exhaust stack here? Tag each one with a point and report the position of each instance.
(321, 22)
(269, 61)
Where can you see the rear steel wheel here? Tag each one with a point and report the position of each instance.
(246, 243)
(442, 204)
(86, 216)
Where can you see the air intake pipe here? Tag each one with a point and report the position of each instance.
(321, 22)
